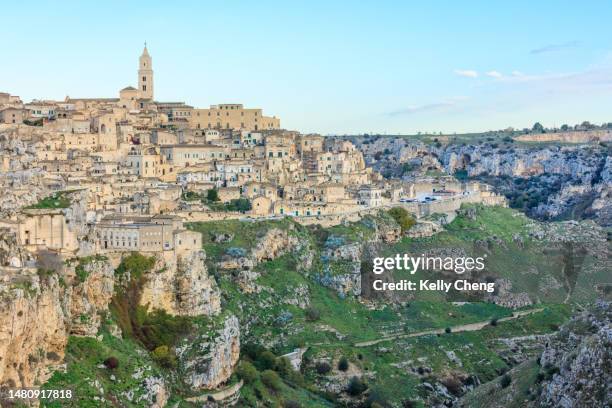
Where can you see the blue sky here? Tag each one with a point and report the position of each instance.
(328, 67)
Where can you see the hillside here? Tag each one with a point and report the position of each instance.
(291, 287)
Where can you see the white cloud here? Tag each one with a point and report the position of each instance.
(517, 73)
(555, 47)
(436, 106)
(467, 73)
(494, 74)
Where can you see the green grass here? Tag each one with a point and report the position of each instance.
(85, 357)
(56, 200)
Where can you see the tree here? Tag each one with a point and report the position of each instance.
(586, 125)
(312, 314)
(271, 380)
(323, 368)
(111, 362)
(164, 356)
(266, 360)
(343, 364)
(356, 386)
(537, 128)
(505, 381)
(402, 217)
(212, 195)
(564, 128)
(247, 372)
(240, 204)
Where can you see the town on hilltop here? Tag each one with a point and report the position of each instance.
(154, 254)
(140, 167)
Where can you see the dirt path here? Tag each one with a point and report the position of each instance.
(454, 329)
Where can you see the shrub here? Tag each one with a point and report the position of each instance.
(323, 368)
(164, 356)
(453, 384)
(343, 364)
(505, 381)
(212, 195)
(447, 330)
(266, 360)
(111, 362)
(283, 366)
(247, 372)
(403, 218)
(312, 314)
(356, 386)
(271, 380)
(493, 322)
(159, 328)
(291, 404)
(136, 264)
(240, 204)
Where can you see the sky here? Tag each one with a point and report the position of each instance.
(330, 67)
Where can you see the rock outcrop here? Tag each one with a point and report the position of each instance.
(33, 333)
(208, 360)
(182, 286)
(90, 296)
(580, 360)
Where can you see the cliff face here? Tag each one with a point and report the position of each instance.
(208, 360)
(33, 331)
(182, 286)
(580, 356)
(273, 244)
(87, 299)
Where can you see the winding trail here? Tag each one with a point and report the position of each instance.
(454, 329)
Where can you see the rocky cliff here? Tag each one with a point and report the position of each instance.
(181, 286)
(579, 361)
(208, 360)
(33, 330)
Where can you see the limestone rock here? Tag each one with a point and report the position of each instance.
(182, 286)
(33, 334)
(90, 297)
(208, 360)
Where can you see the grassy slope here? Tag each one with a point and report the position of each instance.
(346, 321)
(343, 322)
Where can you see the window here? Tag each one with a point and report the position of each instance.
(144, 87)
(144, 79)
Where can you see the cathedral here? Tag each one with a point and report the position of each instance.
(145, 75)
(132, 98)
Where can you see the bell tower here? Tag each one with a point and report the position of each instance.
(145, 75)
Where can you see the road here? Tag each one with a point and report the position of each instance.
(454, 329)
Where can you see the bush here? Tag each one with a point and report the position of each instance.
(356, 386)
(212, 195)
(323, 368)
(136, 264)
(453, 384)
(271, 380)
(447, 330)
(111, 362)
(164, 356)
(403, 218)
(247, 372)
(505, 381)
(266, 360)
(291, 404)
(240, 204)
(343, 364)
(493, 322)
(312, 314)
(159, 328)
(283, 366)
